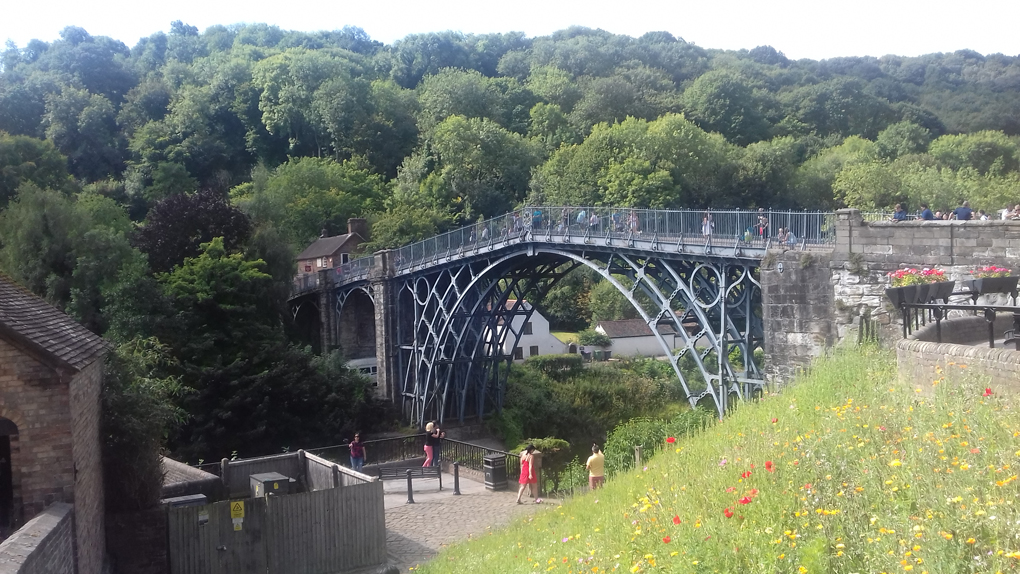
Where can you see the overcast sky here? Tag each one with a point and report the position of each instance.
(800, 28)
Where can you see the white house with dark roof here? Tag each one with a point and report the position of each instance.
(536, 339)
(633, 337)
(331, 252)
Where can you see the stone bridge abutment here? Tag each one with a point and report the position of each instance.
(814, 298)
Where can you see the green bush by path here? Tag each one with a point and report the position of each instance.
(847, 471)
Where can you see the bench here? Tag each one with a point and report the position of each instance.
(398, 473)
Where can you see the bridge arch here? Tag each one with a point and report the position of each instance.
(454, 361)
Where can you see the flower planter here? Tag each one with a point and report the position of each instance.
(941, 291)
(902, 295)
(987, 285)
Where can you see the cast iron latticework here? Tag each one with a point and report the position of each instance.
(456, 299)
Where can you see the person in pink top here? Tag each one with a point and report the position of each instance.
(528, 475)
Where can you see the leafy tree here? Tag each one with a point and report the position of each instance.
(177, 227)
(812, 182)
(608, 304)
(250, 392)
(765, 171)
(551, 127)
(25, 159)
(723, 101)
(902, 138)
(567, 304)
(84, 128)
(402, 224)
(987, 152)
(418, 55)
(453, 92)
(306, 195)
(139, 411)
(636, 182)
(555, 86)
(39, 232)
(868, 186)
(841, 106)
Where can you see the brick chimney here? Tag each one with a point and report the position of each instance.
(358, 225)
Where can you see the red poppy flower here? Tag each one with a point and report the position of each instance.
(728, 513)
(666, 539)
(769, 466)
(774, 420)
(975, 450)
(730, 489)
(745, 474)
(988, 393)
(745, 500)
(671, 440)
(676, 520)
(754, 492)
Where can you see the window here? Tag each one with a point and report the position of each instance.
(533, 351)
(319, 262)
(344, 258)
(528, 329)
(518, 354)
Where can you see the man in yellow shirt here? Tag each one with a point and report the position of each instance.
(596, 467)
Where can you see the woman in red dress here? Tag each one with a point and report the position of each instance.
(527, 474)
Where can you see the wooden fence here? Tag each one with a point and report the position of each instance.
(338, 524)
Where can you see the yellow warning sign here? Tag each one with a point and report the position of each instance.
(237, 509)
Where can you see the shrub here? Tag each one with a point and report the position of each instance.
(594, 338)
(557, 366)
(651, 434)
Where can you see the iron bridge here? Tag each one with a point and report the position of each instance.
(455, 296)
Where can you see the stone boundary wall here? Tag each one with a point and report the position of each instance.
(929, 243)
(822, 296)
(919, 357)
(44, 545)
(865, 252)
(919, 362)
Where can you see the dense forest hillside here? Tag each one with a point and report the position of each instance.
(133, 179)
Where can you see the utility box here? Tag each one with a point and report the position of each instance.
(269, 484)
(495, 471)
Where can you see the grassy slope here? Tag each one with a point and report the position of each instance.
(868, 476)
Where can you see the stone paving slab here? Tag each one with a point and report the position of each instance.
(416, 532)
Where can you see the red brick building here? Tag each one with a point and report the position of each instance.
(331, 252)
(51, 371)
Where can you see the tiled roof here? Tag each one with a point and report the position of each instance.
(632, 328)
(30, 321)
(175, 472)
(325, 246)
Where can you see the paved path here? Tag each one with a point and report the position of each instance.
(416, 532)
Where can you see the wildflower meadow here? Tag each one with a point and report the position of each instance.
(847, 470)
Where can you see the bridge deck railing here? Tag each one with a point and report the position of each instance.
(574, 224)
(559, 223)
